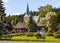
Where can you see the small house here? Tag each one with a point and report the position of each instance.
(40, 25)
(20, 27)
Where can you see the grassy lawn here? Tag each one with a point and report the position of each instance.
(48, 38)
(25, 37)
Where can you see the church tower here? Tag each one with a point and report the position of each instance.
(27, 15)
(27, 10)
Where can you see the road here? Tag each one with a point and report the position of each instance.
(25, 42)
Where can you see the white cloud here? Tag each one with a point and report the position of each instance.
(15, 14)
(5, 0)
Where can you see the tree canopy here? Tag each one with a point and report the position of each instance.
(44, 9)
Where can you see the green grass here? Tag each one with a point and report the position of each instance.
(20, 37)
(23, 38)
(50, 38)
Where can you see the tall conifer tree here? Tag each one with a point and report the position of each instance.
(2, 11)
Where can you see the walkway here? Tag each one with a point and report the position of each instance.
(25, 42)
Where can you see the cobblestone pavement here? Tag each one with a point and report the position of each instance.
(25, 42)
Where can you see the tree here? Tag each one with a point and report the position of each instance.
(27, 24)
(43, 21)
(7, 25)
(15, 18)
(2, 29)
(51, 19)
(44, 9)
(2, 11)
(34, 13)
(58, 18)
(32, 25)
(57, 10)
(2, 17)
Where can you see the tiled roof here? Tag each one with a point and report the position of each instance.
(20, 25)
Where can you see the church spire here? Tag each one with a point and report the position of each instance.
(27, 9)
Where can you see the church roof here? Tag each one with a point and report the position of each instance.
(20, 25)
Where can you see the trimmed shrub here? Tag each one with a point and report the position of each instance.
(37, 34)
(56, 35)
(30, 34)
(49, 34)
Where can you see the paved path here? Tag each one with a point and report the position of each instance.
(25, 42)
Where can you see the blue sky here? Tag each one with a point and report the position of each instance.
(19, 6)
